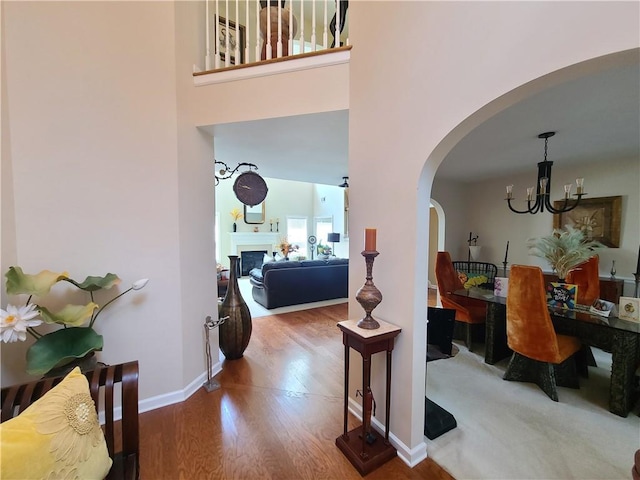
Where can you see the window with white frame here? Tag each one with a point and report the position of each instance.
(297, 233)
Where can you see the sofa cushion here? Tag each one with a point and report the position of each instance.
(256, 274)
(278, 265)
(313, 263)
(338, 261)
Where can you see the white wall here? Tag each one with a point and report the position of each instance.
(106, 174)
(413, 109)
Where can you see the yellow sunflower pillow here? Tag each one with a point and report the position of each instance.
(58, 436)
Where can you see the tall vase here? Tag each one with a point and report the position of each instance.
(235, 331)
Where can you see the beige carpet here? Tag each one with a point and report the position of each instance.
(512, 430)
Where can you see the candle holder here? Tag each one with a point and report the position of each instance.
(504, 268)
(613, 270)
(637, 291)
(211, 384)
(368, 295)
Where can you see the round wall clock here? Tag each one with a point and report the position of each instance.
(312, 239)
(250, 188)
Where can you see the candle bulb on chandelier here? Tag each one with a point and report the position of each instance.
(529, 193)
(567, 190)
(580, 185)
(509, 191)
(369, 239)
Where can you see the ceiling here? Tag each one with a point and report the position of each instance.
(596, 118)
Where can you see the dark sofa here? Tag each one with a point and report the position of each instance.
(278, 284)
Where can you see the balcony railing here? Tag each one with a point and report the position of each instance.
(240, 32)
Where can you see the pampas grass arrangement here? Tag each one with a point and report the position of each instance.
(563, 249)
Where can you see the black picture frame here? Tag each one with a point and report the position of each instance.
(234, 37)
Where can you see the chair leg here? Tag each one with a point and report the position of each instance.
(591, 360)
(566, 373)
(583, 359)
(523, 369)
(469, 340)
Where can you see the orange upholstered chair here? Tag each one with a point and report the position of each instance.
(539, 354)
(469, 311)
(587, 277)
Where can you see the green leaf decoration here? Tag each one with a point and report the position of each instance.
(39, 285)
(70, 315)
(91, 284)
(563, 249)
(61, 347)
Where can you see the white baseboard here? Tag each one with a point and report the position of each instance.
(170, 398)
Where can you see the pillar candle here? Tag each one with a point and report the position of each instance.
(506, 252)
(369, 239)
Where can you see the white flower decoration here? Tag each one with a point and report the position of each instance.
(14, 322)
(139, 284)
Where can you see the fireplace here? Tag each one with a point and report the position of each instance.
(250, 259)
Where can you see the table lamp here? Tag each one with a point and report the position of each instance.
(333, 238)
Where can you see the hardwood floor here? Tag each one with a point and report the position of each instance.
(276, 415)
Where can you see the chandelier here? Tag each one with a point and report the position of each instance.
(543, 190)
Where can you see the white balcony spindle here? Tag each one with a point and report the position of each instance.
(290, 40)
(216, 60)
(269, 31)
(227, 50)
(246, 40)
(325, 32)
(236, 50)
(207, 58)
(313, 24)
(257, 31)
(336, 38)
(301, 26)
(279, 43)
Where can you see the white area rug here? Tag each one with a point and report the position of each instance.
(258, 310)
(512, 430)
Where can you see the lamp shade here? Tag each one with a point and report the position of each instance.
(333, 237)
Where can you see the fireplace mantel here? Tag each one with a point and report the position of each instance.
(239, 239)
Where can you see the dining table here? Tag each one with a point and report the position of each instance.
(619, 337)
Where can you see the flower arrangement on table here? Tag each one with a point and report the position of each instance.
(323, 250)
(286, 247)
(76, 338)
(236, 214)
(563, 249)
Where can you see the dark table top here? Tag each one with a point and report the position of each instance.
(581, 313)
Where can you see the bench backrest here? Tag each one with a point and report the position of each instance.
(103, 381)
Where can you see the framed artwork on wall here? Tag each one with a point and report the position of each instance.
(227, 29)
(599, 219)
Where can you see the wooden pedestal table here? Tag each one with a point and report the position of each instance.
(365, 448)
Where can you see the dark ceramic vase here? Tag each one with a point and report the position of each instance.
(235, 332)
(235, 227)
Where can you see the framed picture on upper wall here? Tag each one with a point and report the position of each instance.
(599, 219)
(226, 29)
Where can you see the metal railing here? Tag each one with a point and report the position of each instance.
(249, 31)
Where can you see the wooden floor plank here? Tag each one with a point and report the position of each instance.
(276, 415)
